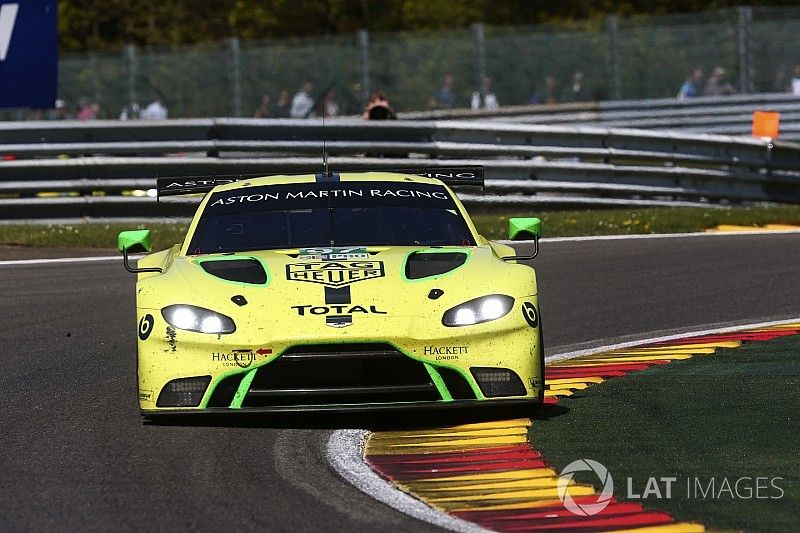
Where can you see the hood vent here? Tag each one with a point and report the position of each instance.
(424, 265)
(240, 270)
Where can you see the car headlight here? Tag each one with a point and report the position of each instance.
(193, 318)
(479, 310)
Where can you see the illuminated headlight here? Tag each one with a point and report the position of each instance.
(192, 318)
(479, 310)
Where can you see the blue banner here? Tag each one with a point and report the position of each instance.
(28, 53)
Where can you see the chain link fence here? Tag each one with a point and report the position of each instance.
(619, 58)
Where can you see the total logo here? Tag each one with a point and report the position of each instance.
(303, 310)
(585, 508)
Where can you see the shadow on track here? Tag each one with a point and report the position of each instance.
(374, 421)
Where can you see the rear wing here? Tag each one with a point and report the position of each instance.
(453, 176)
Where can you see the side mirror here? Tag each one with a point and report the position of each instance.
(524, 228)
(135, 241)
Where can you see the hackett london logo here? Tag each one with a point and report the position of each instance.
(335, 273)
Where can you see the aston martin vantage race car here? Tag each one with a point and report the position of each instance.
(334, 291)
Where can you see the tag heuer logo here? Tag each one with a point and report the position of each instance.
(334, 274)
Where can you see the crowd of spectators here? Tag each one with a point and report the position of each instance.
(309, 103)
(697, 85)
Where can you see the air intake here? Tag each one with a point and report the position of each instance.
(426, 264)
(240, 270)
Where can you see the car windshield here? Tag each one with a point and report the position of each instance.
(349, 213)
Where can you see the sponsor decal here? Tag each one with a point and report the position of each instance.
(196, 183)
(275, 194)
(146, 326)
(305, 310)
(333, 254)
(145, 395)
(239, 358)
(446, 353)
(530, 314)
(335, 273)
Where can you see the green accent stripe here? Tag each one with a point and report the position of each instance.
(439, 382)
(241, 392)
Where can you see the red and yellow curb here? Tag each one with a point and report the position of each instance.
(489, 474)
(765, 228)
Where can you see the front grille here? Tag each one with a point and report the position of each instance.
(340, 374)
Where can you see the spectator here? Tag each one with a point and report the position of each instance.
(577, 91)
(60, 111)
(717, 85)
(282, 106)
(445, 98)
(263, 111)
(131, 112)
(692, 86)
(87, 110)
(484, 98)
(550, 90)
(302, 103)
(329, 106)
(795, 83)
(156, 110)
(378, 108)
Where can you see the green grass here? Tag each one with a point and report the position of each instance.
(87, 235)
(637, 221)
(490, 224)
(729, 415)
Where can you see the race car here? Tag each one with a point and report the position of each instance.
(345, 291)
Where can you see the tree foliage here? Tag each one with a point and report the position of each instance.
(102, 24)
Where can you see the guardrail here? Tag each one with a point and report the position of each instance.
(74, 170)
(727, 115)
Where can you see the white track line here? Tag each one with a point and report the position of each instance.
(659, 236)
(666, 338)
(29, 262)
(345, 447)
(345, 453)
(32, 262)
(58, 260)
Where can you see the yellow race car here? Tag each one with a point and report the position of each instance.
(334, 291)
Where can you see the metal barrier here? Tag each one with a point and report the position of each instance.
(74, 170)
(727, 115)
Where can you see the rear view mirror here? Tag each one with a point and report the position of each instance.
(524, 228)
(134, 241)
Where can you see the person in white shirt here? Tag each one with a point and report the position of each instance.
(484, 98)
(795, 83)
(302, 103)
(156, 110)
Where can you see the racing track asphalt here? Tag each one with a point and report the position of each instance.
(76, 456)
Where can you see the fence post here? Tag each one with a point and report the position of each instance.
(479, 38)
(235, 77)
(612, 28)
(130, 78)
(744, 48)
(362, 38)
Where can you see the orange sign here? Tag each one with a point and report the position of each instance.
(766, 124)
